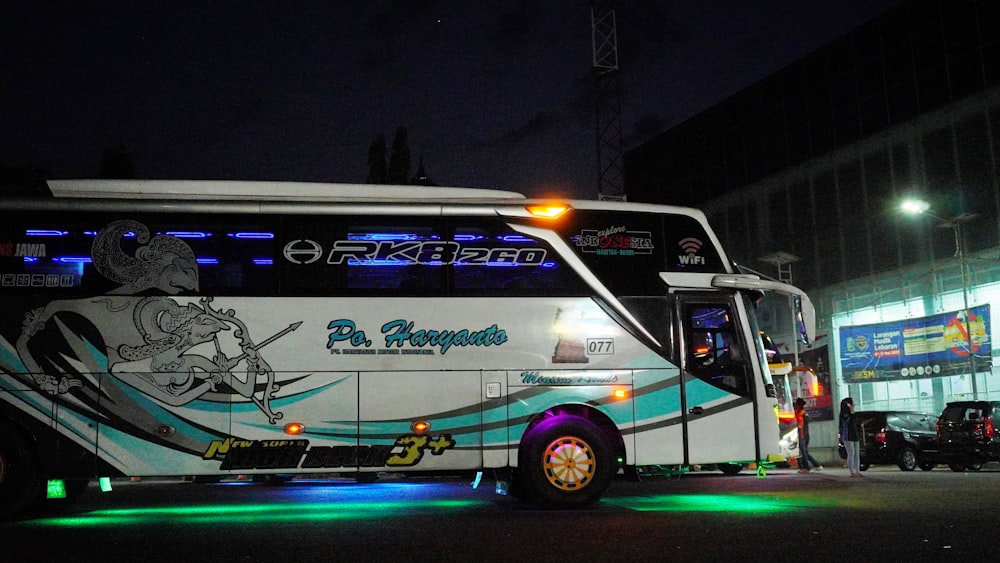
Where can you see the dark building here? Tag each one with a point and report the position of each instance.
(814, 160)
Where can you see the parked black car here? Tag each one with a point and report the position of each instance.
(907, 439)
(967, 437)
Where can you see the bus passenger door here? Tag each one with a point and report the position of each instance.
(717, 380)
(431, 419)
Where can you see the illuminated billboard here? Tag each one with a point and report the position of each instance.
(926, 347)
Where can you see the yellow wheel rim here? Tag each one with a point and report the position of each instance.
(569, 463)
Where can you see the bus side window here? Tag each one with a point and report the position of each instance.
(656, 315)
(715, 352)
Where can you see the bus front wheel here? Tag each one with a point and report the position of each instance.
(565, 461)
(20, 484)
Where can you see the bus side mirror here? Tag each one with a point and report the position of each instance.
(805, 317)
(802, 307)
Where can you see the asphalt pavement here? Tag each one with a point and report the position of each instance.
(887, 515)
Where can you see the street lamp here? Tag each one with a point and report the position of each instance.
(919, 207)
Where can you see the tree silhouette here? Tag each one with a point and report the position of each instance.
(378, 172)
(117, 163)
(399, 160)
(394, 168)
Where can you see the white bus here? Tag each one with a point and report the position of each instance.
(154, 328)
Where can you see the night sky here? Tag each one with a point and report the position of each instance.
(493, 94)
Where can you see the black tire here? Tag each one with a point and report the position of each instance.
(957, 467)
(566, 461)
(730, 469)
(21, 484)
(927, 465)
(863, 467)
(907, 460)
(976, 466)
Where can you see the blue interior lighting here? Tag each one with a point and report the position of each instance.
(72, 259)
(188, 234)
(383, 236)
(45, 233)
(353, 262)
(251, 235)
(129, 234)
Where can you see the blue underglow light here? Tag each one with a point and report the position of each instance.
(515, 238)
(30, 259)
(465, 238)
(208, 261)
(263, 261)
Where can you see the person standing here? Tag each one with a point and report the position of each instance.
(849, 436)
(802, 422)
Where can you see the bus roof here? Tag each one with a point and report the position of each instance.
(268, 191)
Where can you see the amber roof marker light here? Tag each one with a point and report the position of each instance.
(547, 210)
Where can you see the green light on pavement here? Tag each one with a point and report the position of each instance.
(747, 504)
(263, 514)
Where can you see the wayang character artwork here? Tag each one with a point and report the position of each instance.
(140, 335)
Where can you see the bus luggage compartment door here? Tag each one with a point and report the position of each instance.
(393, 404)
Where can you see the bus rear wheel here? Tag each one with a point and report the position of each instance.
(20, 484)
(565, 461)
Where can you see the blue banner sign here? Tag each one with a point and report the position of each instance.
(934, 346)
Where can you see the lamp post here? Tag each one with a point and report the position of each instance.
(919, 207)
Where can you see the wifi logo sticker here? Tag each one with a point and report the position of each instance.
(690, 246)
